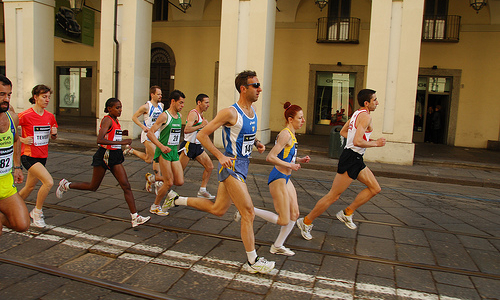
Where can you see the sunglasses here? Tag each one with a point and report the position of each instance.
(255, 85)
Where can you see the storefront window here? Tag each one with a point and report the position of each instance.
(439, 84)
(334, 97)
(74, 91)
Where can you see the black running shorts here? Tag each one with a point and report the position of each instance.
(350, 162)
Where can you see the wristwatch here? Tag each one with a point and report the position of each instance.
(20, 167)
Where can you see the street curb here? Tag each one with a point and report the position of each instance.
(333, 167)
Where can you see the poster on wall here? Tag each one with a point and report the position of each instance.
(69, 91)
(73, 27)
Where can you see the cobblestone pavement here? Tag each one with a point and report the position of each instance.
(415, 240)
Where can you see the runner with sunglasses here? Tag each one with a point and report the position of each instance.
(239, 127)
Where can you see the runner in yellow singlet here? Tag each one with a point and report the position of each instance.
(13, 210)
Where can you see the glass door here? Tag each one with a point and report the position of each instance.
(74, 91)
(430, 123)
(334, 101)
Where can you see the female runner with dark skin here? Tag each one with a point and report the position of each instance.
(109, 156)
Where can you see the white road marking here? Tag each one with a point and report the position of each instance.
(182, 260)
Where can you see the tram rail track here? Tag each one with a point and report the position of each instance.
(420, 266)
(102, 283)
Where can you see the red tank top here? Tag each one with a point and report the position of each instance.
(114, 134)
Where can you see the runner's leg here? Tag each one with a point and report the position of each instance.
(372, 188)
(168, 180)
(14, 213)
(121, 176)
(93, 185)
(31, 181)
(206, 162)
(279, 193)
(339, 185)
(40, 172)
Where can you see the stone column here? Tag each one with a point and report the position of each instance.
(29, 48)
(247, 43)
(134, 54)
(393, 61)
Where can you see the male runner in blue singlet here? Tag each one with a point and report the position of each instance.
(239, 123)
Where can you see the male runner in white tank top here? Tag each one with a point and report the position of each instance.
(191, 148)
(351, 166)
(150, 112)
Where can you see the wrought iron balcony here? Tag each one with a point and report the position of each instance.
(441, 29)
(338, 30)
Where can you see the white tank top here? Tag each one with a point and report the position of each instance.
(352, 132)
(191, 137)
(153, 113)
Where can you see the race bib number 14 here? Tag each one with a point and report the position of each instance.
(247, 147)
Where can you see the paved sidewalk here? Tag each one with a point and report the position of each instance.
(415, 240)
(434, 163)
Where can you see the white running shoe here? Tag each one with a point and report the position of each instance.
(62, 188)
(237, 216)
(138, 220)
(128, 150)
(169, 201)
(38, 219)
(346, 219)
(156, 209)
(261, 265)
(157, 186)
(150, 180)
(281, 250)
(305, 230)
(205, 194)
(172, 194)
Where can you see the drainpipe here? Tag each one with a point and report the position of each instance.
(117, 49)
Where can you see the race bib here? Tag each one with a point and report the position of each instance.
(6, 156)
(117, 138)
(155, 116)
(247, 147)
(175, 136)
(41, 135)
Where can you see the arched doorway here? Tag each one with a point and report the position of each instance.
(162, 68)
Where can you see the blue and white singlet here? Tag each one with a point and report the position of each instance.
(239, 138)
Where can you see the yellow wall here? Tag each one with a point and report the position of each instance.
(64, 51)
(476, 55)
(196, 48)
(196, 51)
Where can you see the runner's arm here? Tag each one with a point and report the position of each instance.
(141, 111)
(284, 138)
(362, 123)
(18, 173)
(105, 126)
(345, 129)
(227, 116)
(191, 118)
(152, 136)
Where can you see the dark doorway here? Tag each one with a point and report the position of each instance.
(439, 103)
(432, 108)
(162, 69)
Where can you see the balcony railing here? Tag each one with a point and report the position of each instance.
(338, 30)
(441, 29)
